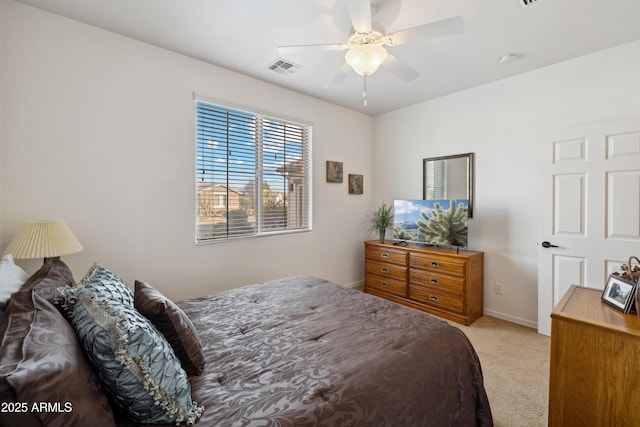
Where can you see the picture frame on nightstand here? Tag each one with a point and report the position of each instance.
(620, 293)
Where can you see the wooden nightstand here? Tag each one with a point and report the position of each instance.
(595, 363)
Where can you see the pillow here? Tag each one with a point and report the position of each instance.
(45, 281)
(53, 274)
(173, 323)
(44, 376)
(12, 277)
(135, 364)
(107, 285)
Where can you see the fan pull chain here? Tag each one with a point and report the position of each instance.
(364, 92)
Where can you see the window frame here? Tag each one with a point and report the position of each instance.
(261, 227)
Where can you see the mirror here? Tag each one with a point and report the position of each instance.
(448, 177)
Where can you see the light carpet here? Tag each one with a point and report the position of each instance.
(515, 364)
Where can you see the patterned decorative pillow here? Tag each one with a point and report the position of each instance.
(53, 274)
(174, 324)
(45, 282)
(42, 363)
(16, 325)
(107, 285)
(136, 364)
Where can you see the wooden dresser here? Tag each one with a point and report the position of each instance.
(595, 363)
(441, 281)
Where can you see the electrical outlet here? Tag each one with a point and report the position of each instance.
(499, 288)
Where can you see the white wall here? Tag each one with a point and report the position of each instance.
(499, 122)
(99, 131)
(2, 113)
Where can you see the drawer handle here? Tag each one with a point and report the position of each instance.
(434, 281)
(384, 255)
(385, 284)
(434, 298)
(435, 264)
(384, 270)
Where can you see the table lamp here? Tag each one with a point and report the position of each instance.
(43, 239)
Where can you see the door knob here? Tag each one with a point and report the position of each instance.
(546, 244)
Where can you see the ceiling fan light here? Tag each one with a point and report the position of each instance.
(366, 58)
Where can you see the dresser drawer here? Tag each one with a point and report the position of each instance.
(377, 253)
(437, 264)
(435, 280)
(436, 298)
(392, 286)
(387, 270)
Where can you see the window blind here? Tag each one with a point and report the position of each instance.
(437, 180)
(253, 174)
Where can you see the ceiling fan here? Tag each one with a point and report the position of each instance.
(366, 45)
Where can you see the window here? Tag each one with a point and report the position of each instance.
(219, 200)
(253, 174)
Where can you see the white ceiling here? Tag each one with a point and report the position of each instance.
(244, 35)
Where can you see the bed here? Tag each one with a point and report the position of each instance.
(298, 351)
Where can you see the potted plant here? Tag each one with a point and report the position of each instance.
(381, 219)
(630, 273)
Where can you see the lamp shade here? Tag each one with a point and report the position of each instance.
(366, 58)
(43, 239)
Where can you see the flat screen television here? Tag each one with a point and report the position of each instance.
(431, 222)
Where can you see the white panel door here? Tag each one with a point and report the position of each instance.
(589, 208)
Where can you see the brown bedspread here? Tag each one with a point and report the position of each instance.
(302, 352)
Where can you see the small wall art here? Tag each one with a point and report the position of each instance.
(355, 184)
(334, 171)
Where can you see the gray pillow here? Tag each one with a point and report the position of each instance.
(41, 360)
(107, 285)
(135, 363)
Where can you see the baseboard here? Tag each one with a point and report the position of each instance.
(512, 319)
(355, 285)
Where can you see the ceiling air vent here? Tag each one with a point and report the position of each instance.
(525, 3)
(282, 66)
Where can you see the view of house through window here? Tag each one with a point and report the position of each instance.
(253, 174)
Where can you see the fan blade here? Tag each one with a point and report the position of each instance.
(311, 48)
(339, 76)
(399, 68)
(446, 27)
(360, 12)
